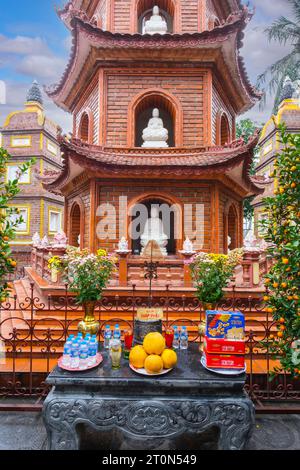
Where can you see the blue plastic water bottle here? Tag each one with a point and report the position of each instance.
(83, 355)
(67, 354)
(176, 340)
(117, 332)
(92, 352)
(184, 338)
(74, 363)
(107, 337)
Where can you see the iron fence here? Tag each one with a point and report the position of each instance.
(33, 331)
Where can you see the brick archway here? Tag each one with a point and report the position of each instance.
(157, 98)
(171, 7)
(223, 134)
(76, 224)
(86, 126)
(231, 227)
(163, 198)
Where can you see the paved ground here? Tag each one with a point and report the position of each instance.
(25, 431)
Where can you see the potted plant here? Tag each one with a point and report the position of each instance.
(87, 275)
(212, 273)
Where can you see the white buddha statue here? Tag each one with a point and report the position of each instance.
(154, 231)
(155, 135)
(157, 24)
(188, 246)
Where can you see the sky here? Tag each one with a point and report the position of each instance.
(35, 44)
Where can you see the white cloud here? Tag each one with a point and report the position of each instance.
(273, 8)
(41, 66)
(23, 45)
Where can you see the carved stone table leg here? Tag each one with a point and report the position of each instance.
(149, 418)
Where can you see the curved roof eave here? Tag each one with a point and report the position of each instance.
(235, 24)
(192, 162)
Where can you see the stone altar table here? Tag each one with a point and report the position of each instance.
(156, 412)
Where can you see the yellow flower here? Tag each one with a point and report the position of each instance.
(101, 253)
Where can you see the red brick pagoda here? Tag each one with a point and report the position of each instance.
(155, 87)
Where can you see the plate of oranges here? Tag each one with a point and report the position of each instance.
(152, 358)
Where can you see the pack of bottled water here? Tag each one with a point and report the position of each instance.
(80, 353)
(109, 335)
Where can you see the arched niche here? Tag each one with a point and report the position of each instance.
(172, 220)
(231, 227)
(85, 129)
(169, 9)
(76, 227)
(223, 129)
(141, 109)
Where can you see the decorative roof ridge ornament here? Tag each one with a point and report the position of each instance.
(34, 94)
(69, 12)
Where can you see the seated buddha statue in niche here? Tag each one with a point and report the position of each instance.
(155, 135)
(157, 24)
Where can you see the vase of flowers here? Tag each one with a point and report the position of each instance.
(211, 274)
(87, 275)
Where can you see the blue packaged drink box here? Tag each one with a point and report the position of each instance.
(225, 325)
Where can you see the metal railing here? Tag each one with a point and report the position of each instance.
(32, 333)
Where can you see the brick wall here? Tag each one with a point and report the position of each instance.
(90, 102)
(190, 16)
(102, 13)
(122, 16)
(219, 105)
(189, 90)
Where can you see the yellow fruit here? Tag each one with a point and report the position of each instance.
(137, 357)
(154, 343)
(154, 364)
(169, 358)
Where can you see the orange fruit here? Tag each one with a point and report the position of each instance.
(137, 357)
(285, 260)
(169, 358)
(280, 334)
(154, 343)
(154, 364)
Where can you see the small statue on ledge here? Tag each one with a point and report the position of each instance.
(60, 240)
(123, 246)
(157, 24)
(45, 242)
(188, 246)
(36, 240)
(251, 243)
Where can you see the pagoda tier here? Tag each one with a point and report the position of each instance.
(217, 50)
(229, 164)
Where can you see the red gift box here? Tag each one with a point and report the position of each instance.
(224, 361)
(224, 346)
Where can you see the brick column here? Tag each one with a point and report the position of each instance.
(123, 267)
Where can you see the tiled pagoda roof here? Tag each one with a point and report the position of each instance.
(87, 36)
(172, 162)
